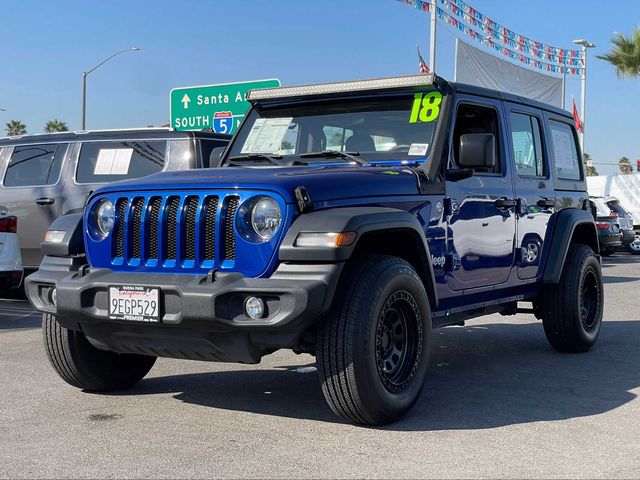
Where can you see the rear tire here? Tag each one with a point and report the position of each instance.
(573, 308)
(84, 366)
(634, 247)
(373, 349)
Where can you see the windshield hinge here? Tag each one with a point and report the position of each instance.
(304, 199)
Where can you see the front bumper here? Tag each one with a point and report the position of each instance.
(202, 317)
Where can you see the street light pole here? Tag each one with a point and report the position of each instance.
(84, 82)
(432, 35)
(583, 94)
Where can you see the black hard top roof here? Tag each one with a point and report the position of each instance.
(123, 134)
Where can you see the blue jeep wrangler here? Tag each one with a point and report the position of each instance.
(344, 220)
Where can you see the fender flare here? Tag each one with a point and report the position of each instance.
(568, 223)
(361, 220)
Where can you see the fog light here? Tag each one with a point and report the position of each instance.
(53, 296)
(254, 307)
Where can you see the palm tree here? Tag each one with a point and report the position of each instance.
(625, 54)
(56, 125)
(624, 164)
(15, 127)
(588, 166)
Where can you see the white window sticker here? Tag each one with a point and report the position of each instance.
(266, 135)
(113, 161)
(104, 161)
(418, 148)
(122, 161)
(565, 152)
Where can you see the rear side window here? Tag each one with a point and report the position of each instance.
(565, 151)
(103, 162)
(616, 207)
(35, 165)
(527, 149)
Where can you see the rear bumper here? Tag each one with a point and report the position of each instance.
(612, 240)
(10, 279)
(202, 317)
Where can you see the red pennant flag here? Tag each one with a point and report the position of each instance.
(576, 117)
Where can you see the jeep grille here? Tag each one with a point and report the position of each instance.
(175, 228)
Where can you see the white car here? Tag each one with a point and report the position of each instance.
(11, 271)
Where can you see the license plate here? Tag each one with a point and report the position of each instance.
(134, 303)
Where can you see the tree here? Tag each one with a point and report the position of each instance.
(624, 164)
(56, 125)
(589, 169)
(625, 54)
(15, 127)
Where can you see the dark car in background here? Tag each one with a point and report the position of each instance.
(50, 175)
(610, 234)
(630, 239)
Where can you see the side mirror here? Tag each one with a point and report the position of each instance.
(477, 150)
(215, 158)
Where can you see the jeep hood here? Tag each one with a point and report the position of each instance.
(323, 183)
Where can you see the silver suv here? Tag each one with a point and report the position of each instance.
(611, 207)
(46, 176)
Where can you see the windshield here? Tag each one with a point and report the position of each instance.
(390, 128)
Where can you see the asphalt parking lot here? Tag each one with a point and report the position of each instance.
(498, 403)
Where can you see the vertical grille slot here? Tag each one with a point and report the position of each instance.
(136, 227)
(173, 203)
(152, 230)
(229, 234)
(121, 209)
(189, 237)
(211, 209)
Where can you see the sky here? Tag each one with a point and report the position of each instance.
(46, 45)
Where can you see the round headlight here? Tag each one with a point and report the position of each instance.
(105, 217)
(266, 218)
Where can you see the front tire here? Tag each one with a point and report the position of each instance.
(84, 366)
(373, 350)
(573, 308)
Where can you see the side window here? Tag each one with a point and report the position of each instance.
(477, 119)
(565, 151)
(527, 147)
(34, 165)
(103, 162)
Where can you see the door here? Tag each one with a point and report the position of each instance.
(534, 188)
(481, 217)
(31, 191)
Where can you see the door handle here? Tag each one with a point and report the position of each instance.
(505, 203)
(545, 202)
(45, 201)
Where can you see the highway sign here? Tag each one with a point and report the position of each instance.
(218, 107)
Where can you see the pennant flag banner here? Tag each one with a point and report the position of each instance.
(463, 17)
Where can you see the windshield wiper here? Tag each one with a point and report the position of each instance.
(271, 159)
(351, 156)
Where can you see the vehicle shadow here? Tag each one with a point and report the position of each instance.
(620, 259)
(16, 315)
(483, 376)
(616, 279)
